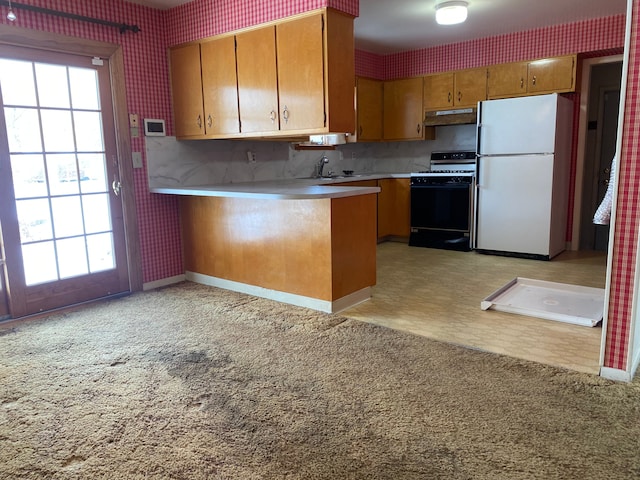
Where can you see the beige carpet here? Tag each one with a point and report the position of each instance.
(192, 382)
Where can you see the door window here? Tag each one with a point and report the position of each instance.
(57, 153)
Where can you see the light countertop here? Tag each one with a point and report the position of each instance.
(290, 188)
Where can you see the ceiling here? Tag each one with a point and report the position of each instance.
(385, 27)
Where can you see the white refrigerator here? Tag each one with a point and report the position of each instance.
(523, 161)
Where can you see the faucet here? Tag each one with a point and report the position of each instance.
(320, 165)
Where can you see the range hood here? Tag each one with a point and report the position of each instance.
(458, 116)
(327, 140)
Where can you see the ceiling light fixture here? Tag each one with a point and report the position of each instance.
(11, 16)
(451, 12)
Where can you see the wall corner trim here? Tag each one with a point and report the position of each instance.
(616, 374)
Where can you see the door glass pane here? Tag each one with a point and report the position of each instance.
(34, 220)
(72, 257)
(23, 130)
(28, 176)
(88, 131)
(84, 89)
(55, 116)
(100, 249)
(97, 217)
(63, 174)
(93, 174)
(16, 78)
(53, 88)
(67, 216)
(39, 260)
(57, 130)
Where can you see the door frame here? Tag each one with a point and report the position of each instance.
(585, 89)
(29, 38)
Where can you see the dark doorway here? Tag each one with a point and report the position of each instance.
(602, 114)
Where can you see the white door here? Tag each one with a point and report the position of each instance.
(514, 204)
(518, 125)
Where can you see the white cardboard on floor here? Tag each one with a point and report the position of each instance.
(549, 300)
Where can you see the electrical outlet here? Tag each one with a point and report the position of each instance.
(136, 157)
(133, 120)
(251, 157)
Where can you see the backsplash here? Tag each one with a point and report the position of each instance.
(175, 163)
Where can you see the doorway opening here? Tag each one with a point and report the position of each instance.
(599, 104)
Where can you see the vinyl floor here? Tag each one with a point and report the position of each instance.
(437, 293)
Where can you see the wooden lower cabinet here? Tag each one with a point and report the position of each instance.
(394, 206)
(318, 248)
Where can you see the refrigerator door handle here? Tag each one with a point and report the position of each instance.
(479, 127)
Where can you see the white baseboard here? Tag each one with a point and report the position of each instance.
(616, 374)
(290, 298)
(163, 282)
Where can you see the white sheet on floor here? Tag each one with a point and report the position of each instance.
(549, 300)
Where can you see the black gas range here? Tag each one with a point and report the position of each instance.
(442, 202)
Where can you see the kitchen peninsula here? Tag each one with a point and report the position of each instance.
(294, 240)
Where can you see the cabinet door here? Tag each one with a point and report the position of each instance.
(186, 90)
(470, 87)
(552, 75)
(507, 80)
(394, 213)
(438, 91)
(219, 86)
(300, 55)
(257, 80)
(403, 109)
(369, 109)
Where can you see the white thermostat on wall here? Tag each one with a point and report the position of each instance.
(154, 127)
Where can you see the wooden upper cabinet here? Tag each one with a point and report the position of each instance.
(546, 75)
(294, 76)
(470, 87)
(369, 109)
(257, 80)
(299, 47)
(403, 109)
(507, 80)
(219, 86)
(438, 91)
(297, 76)
(552, 75)
(186, 90)
(464, 88)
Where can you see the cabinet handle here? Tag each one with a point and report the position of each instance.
(459, 96)
(360, 130)
(285, 114)
(272, 116)
(209, 121)
(534, 80)
(449, 97)
(521, 82)
(199, 121)
(418, 129)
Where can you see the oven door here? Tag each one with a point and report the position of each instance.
(441, 207)
(441, 216)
